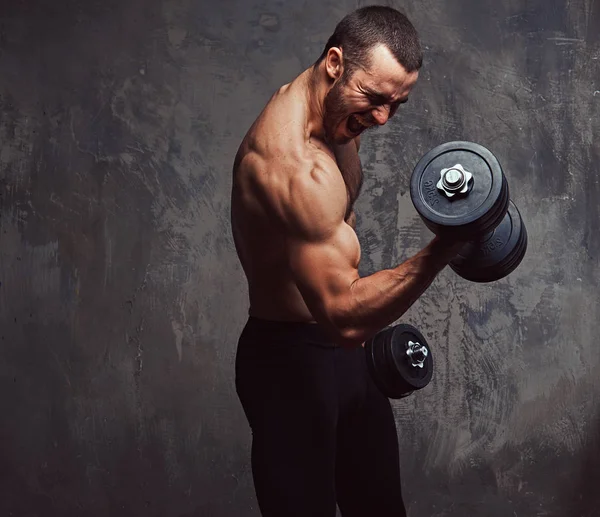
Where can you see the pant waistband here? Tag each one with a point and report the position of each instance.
(288, 331)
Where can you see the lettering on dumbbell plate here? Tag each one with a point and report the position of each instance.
(491, 246)
(431, 193)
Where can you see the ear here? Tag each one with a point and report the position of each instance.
(334, 63)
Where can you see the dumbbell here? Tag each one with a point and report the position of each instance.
(399, 360)
(459, 190)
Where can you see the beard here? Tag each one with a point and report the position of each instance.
(335, 109)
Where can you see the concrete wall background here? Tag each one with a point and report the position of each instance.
(121, 298)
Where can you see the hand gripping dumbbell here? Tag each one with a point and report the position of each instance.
(399, 360)
(459, 190)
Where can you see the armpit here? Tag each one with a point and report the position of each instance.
(351, 220)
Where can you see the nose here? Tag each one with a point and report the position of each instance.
(381, 114)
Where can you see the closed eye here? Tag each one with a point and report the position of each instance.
(378, 99)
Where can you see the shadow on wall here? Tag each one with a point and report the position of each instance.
(585, 499)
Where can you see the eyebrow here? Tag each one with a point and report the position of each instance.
(380, 97)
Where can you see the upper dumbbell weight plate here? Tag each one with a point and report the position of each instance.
(495, 255)
(459, 189)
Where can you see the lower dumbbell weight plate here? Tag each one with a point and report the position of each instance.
(390, 366)
(410, 376)
(376, 362)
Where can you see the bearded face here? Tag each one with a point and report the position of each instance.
(365, 98)
(340, 121)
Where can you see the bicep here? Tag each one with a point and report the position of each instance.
(324, 271)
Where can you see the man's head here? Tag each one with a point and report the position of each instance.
(372, 61)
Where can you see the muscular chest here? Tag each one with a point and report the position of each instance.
(348, 162)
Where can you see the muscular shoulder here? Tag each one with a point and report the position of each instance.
(298, 182)
(318, 198)
(302, 189)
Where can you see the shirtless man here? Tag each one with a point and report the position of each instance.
(321, 431)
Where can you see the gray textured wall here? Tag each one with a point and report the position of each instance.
(121, 298)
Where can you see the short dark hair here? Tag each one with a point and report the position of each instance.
(361, 30)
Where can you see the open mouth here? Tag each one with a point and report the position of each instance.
(355, 126)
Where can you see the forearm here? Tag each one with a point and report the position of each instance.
(377, 300)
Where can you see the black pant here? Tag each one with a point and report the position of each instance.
(321, 430)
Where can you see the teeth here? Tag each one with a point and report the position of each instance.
(358, 122)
